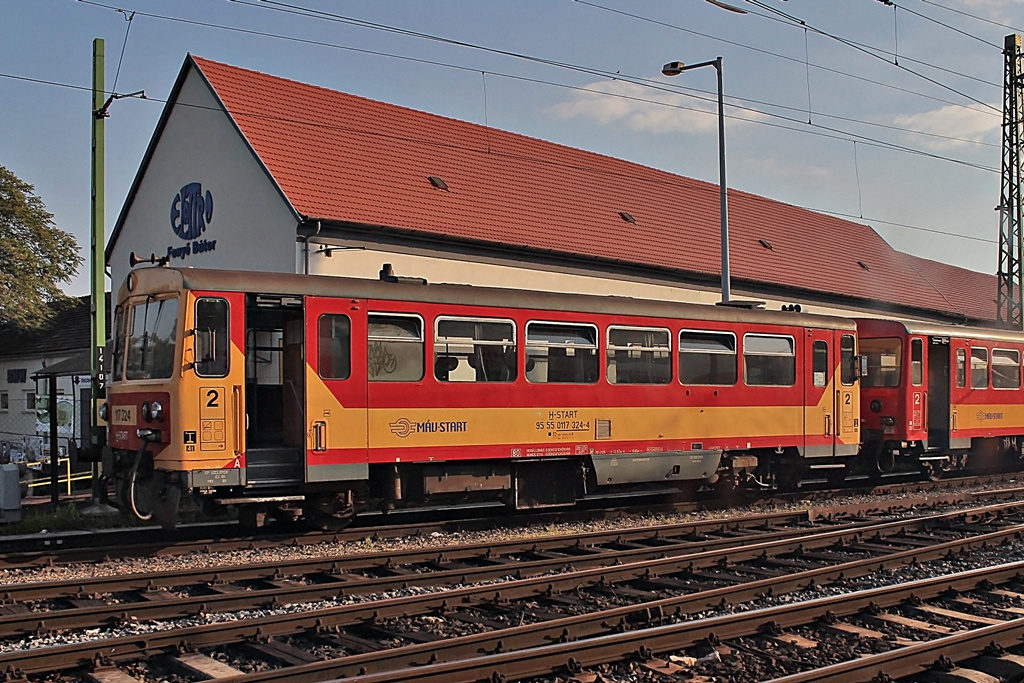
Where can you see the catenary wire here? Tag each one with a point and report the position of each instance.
(779, 55)
(973, 16)
(603, 74)
(839, 136)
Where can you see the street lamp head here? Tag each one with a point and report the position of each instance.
(673, 68)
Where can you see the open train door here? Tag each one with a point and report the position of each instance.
(336, 409)
(938, 390)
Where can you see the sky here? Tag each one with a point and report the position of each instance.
(884, 113)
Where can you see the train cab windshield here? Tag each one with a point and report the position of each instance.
(884, 362)
(145, 336)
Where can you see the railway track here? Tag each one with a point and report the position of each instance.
(54, 549)
(463, 613)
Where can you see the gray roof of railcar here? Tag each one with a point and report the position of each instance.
(936, 330)
(330, 286)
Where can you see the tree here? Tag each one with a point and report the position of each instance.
(35, 255)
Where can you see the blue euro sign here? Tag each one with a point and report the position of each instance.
(209, 207)
(191, 211)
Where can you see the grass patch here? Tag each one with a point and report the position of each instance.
(67, 517)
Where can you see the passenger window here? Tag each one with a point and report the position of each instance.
(394, 348)
(707, 357)
(334, 343)
(212, 348)
(151, 342)
(769, 360)
(916, 362)
(848, 360)
(639, 355)
(979, 368)
(884, 360)
(561, 353)
(1005, 369)
(961, 368)
(475, 350)
(120, 341)
(820, 363)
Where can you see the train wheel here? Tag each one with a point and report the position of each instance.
(332, 513)
(935, 470)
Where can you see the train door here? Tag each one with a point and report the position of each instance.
(820, 398)
(336, 376)
(937, 391)
(847, 393)
(218, 340)
(274, 390)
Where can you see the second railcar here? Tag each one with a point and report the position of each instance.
(940, 394)
(315, 396)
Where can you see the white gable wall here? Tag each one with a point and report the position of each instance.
(251, 227)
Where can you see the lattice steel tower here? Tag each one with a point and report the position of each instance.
(1009, 305)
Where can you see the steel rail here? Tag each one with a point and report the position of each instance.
(913, 659)
(65, 656)
(623, 564)
(382, 560)
(643, 643)
(37, 550)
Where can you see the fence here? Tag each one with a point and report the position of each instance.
(25, 441)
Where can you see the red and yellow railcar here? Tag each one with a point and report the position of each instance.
(940, 393)
(318, 395)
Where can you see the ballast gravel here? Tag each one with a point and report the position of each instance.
(977, 559)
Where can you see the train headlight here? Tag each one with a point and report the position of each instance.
(156, 411)
(876, 406)
(104, 411)
(146, 414)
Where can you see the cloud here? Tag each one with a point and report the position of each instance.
(641, 109)
(965, 124)
(1001, 11)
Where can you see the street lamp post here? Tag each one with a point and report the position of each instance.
(674, 69)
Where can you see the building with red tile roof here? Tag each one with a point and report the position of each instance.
(251, 171)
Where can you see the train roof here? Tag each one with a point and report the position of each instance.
(902, 327)
(155, 280)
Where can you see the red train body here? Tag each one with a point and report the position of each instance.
(940, 393)
(315, 396)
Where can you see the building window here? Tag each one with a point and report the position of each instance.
(769, 360)
(395, 348)
(1005, 369)
(17, 376)
(707, 357)
(979, 368)
(5, 401)
(475, 350)
(639, 355)
(561, 353)
(334, 356)
(30, 402)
